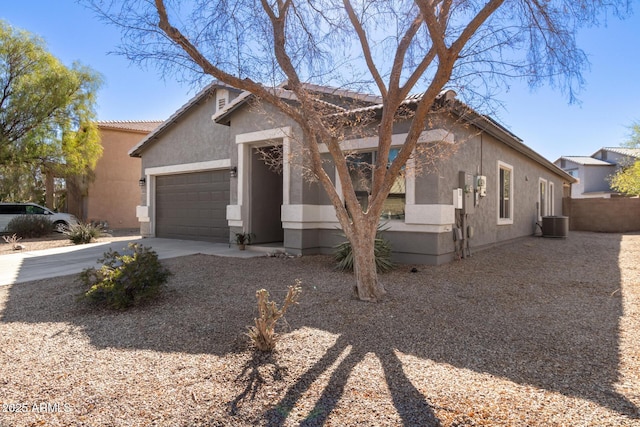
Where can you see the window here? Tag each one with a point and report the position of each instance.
(12, 209)
(34, 210)
(551, 205)
(361, 171)
(505, 192)
(542, 198)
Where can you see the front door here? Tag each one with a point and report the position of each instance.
(265, 198)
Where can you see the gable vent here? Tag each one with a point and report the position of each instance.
(222, 97)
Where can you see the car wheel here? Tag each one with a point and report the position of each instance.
(60, 226)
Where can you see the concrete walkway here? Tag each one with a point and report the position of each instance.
(35, 265)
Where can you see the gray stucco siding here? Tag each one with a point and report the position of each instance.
(475, 154)
(421, 248)
(254, 118)
(194, 138)
(427, 238)
(408, 248)
(526, 178)
(596, 178)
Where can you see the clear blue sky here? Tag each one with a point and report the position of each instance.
(543, 119)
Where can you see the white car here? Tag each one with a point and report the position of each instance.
(61, 221)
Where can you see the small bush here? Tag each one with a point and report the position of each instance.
(30, 226)
(263, 334)
(126, 279)
(83, 233)
(382, 252)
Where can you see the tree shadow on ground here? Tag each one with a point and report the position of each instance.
(410, 404)
(530, 321)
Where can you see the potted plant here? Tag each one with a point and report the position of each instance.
(243, 239)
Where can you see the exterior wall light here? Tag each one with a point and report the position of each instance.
(142, 182)
(233, 172)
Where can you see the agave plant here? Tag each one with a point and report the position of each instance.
(382, 252)
(83, 233)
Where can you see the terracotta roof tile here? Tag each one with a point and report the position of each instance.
(586, 160)
(144, 126)
(631, 152)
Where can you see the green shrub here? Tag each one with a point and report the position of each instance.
(263, 334)
(125, 279)
(30, 226)
(382, 252)
(83, 233)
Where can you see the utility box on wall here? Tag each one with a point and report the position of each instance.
(481, 185)
(457, 198)
(467, 185)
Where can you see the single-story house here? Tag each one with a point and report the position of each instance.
(112, 192)
(206, 178)
(592, 172)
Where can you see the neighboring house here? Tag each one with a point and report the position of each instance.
(206, 179)
(112, 193)
(592, 173)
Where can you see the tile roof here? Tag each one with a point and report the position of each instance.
(631, 152)
(143, 126)
(586, 161)
(345, 93)
(283, 92)
(448, 97)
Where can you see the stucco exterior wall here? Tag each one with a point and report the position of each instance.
(255, 119)
(480, 155)
(474, 153)
(591, 179)
(196, 139)
(577, 188)
(309, 224)
(596, 178)
(115, 192)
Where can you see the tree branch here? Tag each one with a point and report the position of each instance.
(244, 84)
(366, 49)
(474, 25)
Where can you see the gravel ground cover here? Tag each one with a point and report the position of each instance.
(537, 332)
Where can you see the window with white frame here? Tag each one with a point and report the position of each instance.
(551, 210)
(542, 198)
(361, 166)
(505, 193)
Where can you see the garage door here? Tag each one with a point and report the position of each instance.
(193, 206)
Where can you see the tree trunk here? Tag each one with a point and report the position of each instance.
(49, 188)
(367, 287)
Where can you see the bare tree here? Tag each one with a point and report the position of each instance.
(393, 47)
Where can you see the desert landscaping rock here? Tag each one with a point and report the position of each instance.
(536, 332)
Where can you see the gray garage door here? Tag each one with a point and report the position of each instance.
(193, 206)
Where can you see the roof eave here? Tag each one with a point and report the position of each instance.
(137, 150)
(496, 130)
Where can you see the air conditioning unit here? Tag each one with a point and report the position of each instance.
(555, 226)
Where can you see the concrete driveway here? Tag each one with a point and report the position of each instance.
(36, 265)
